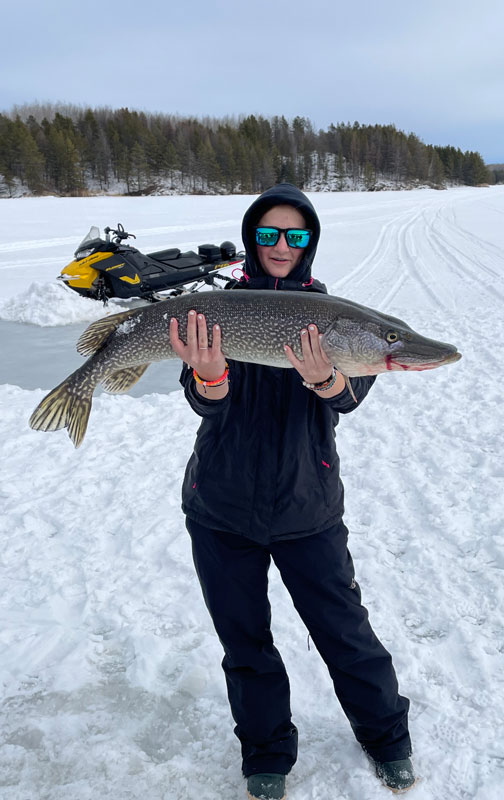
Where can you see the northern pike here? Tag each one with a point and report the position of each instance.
(255, 326)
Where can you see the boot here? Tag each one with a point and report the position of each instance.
(266, 786)
(396, 775)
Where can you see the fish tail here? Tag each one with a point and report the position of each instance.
(64, 407)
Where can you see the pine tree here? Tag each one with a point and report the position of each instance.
(207, 166)
(31, 162)
(474, 169)
(88, 128)
(169, 162)
(341, 173)
(225, 156)
(369, 177)
(436, 172)
(7, 152)
(138, 169)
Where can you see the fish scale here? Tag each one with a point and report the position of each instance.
(278, 319)
(255, 326)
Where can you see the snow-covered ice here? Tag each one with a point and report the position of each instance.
(110, 672)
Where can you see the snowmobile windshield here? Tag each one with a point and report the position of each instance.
(91, 241)
(94, 233)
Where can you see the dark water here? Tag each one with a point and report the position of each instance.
(39, 358)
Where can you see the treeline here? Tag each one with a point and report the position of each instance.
(497, 172)
(73, 151)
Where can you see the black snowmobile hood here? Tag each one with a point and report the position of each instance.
(300, 278)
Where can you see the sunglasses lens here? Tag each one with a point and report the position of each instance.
(297, 237)
(267, 237)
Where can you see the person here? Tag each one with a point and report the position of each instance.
(263, 483)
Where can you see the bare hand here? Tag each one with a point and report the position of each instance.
(315, 366)
(208, 362)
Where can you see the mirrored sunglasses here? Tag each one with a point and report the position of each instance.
(295, 237)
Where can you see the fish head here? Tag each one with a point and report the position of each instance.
(371, 343)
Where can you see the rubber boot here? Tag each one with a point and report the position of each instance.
(399, 776)
(266, 786)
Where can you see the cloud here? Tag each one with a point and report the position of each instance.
(434, 64)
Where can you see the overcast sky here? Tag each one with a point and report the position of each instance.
(434, 68)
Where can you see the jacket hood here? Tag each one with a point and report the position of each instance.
(281, 194)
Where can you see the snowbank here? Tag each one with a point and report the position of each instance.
(51, 304)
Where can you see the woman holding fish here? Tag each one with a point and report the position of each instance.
(263, 482)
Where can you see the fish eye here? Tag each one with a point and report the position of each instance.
(392, 336)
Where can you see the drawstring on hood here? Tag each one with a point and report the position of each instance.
(300, 279)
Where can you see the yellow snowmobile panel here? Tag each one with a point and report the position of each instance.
(81, 272)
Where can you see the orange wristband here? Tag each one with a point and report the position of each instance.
(217, 382)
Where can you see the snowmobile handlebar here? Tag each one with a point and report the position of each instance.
(120, 234)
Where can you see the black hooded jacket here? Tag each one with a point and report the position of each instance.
(300, 279)
(265, 463)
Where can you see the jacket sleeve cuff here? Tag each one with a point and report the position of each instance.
(202, 406)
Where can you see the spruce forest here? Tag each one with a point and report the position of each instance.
(73, 151)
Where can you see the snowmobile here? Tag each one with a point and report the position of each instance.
(110, 267)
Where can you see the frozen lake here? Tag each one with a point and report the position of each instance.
(110, 678)
(36, 357)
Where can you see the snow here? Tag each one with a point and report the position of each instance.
(110, 672)
(51, 305)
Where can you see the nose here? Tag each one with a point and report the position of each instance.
(282, 245)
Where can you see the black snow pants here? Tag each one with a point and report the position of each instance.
(318, 573)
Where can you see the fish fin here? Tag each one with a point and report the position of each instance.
(98, 332)
(123, 379)
(349, 387)
(63, 408)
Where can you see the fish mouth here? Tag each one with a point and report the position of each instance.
(419, 366)
(451, 358)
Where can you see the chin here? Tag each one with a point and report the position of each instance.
(278, 271)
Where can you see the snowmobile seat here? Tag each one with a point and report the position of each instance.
(165, 255)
